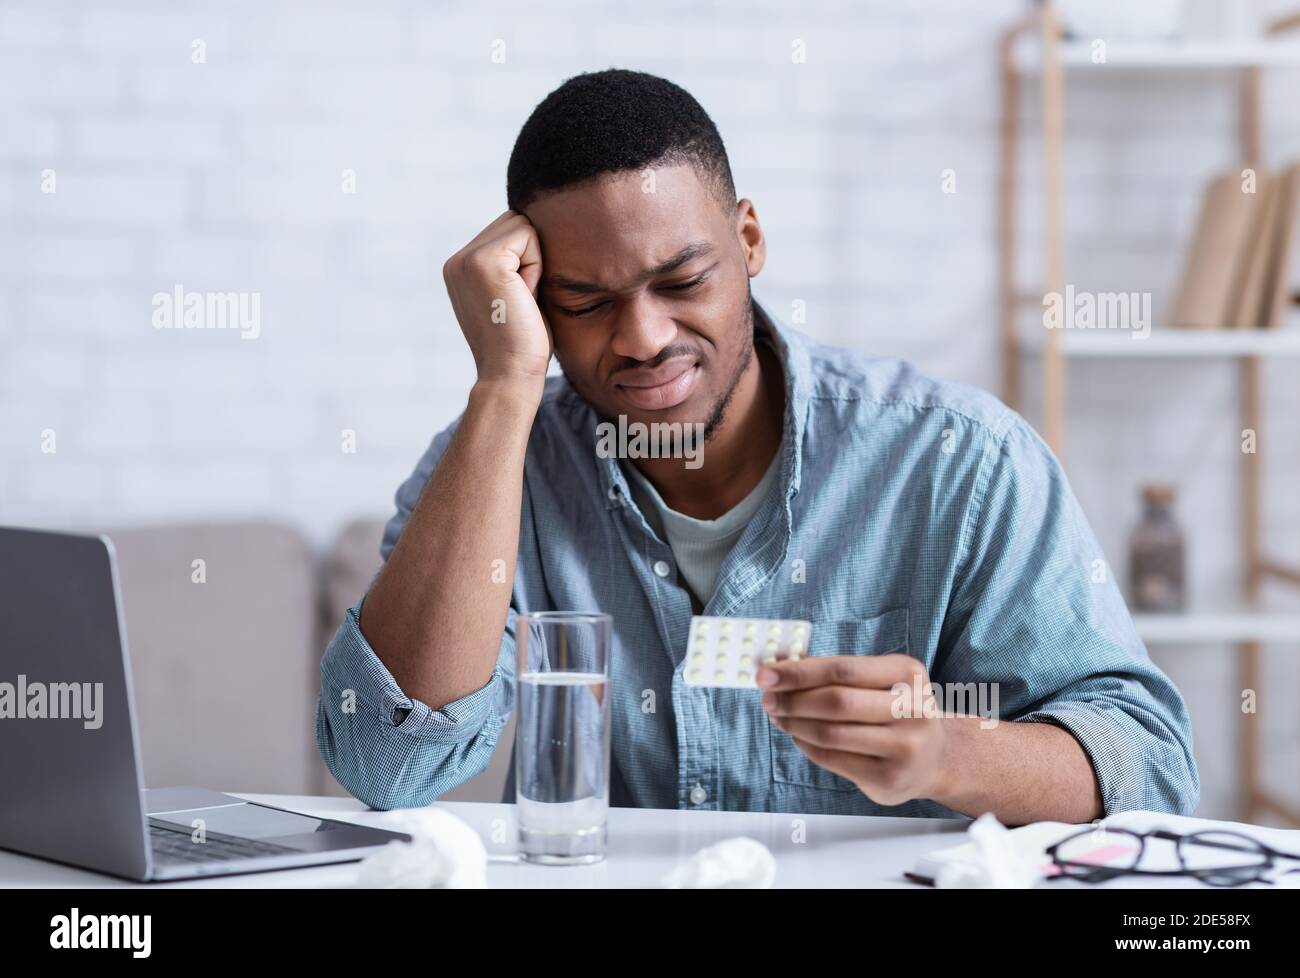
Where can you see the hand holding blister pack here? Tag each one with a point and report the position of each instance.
(727, 652)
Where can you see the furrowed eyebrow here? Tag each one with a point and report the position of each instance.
(689, 253)
(692, 251)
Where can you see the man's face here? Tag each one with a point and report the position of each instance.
(647, 293)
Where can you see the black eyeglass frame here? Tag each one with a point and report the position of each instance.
(1211, 876)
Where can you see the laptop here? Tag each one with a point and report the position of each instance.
(71, 785)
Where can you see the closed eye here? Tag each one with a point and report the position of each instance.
(583, 312)
(688, 285)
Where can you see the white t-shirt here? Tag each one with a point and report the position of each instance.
(698, 546)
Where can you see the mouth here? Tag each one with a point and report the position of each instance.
(663, 387)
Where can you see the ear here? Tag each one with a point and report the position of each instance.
(750, 235)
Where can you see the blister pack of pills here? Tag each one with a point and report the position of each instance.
(729, 651)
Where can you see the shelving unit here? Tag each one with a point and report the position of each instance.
(1170, 343)
(1217, 626)
(1263, 53)
(1035, 52)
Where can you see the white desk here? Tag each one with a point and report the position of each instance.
(838, 850)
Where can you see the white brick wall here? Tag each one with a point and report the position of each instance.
(226, 176)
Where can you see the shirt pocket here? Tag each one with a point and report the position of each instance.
(880, 635)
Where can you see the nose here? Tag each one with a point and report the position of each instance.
(641, 330)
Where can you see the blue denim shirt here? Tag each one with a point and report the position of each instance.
(910, 515)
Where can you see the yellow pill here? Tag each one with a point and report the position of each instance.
(746, 660)
(720, 676)
(726, 628)
(798, 629)
(697, 657)
(750, 629)
(796, 648)
(772, 646)
(743, 677)
(696, 674)
(769, 659)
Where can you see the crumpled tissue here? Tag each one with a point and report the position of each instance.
(444, 854)
(995, 864)
(739, 863)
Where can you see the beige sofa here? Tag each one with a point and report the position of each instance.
(226, 671)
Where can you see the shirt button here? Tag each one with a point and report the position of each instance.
(662, 568)
(698, 795)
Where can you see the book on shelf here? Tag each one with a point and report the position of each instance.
(1237, 273)
(1278, 291)
(1256, 259)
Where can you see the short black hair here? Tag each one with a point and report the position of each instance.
(611, 121)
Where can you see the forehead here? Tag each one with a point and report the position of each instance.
(611, 228)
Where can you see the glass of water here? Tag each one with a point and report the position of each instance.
(562, 736)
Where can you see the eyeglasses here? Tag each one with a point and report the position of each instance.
(1215, 857)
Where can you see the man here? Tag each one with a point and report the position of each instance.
(923, 527)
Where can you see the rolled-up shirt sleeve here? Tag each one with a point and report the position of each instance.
(392, 751)
(386, 748)
(1036, 610)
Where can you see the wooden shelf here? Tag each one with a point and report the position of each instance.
(1168, 342)
(1212, 627)
(1157, 55)
(1035, 45)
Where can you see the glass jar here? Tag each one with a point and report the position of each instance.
(1156, 554)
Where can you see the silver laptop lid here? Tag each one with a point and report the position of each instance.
(70, 772)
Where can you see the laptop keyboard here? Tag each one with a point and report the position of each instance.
(171, 845)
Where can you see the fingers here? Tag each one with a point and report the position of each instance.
(883, 780)
(521, 240)
(510, 248)
(510, 229)
(869, 671)
(873, 740)
(852, 704)
(490, 232)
